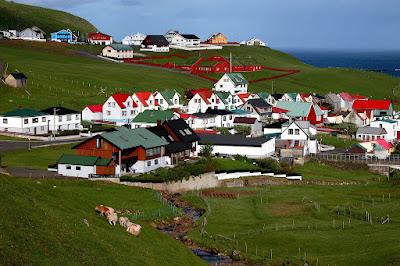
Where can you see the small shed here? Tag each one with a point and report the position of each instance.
(16, 80)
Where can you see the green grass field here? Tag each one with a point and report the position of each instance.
(336, 142)
(42, 223)
(19, 16)
(37, 158)
(58, 74)
(323, 225)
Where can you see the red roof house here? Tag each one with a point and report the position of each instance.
(378, 107)
(100, 38)
(97, 108)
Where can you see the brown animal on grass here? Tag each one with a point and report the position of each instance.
(101, 209)
(112, 218)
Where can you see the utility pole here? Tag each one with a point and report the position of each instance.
(272, 87)
(230, 62)
(54, 122)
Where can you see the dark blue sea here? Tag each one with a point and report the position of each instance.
(386, 62)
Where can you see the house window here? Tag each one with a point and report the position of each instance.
(68, 167)
(132, 112)
(60, 118)
(290, 131)
(78, 168)
(109, 104)
(43, 119)
(161, 101)
(152, 152)
(108, 112)
(5, 121)
(113, 105)
(42, 128)
(297, 131)
(76, 117)
(156, 162)
(35, 120)
(26, 121)
(98, 143)
(148, 163)
(123, 113)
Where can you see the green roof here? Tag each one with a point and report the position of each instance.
(263, 95)
(237, 78)
(121, 47)
(390, 121)
(24, 112)
(298, 109)
(151, 116)
(168, 95)
(83, 160)
(125, 138)
(292, 95)
(223, 96)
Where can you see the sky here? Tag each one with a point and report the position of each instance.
(283, 24)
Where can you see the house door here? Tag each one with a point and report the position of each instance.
(398, 135)
(34, 131)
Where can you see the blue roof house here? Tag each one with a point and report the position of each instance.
(64, 36)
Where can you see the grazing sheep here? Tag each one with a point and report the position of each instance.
(110, 210)
(112, 218)
(123, 221)
(134, 229)
(102, 210)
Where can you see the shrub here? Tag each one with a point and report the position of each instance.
(269, 165)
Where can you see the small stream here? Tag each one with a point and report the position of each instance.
(179, 228)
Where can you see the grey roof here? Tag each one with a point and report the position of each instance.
(231, 140)
(121, 47)
(371, 130)
(334, 97)
(260, 103)
(190, 36)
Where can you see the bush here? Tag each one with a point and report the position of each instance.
(269, 165)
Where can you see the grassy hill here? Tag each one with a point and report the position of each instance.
(46, 219)
(64, 74)
(20, 16)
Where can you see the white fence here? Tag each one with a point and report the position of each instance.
(224, 176)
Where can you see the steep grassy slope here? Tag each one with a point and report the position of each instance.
(20, 16)
(60, 74)
(42, 223)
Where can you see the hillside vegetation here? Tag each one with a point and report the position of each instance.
(20, 16)
(69, 75)
(43, 223)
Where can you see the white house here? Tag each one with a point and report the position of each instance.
(25, 121)
(185, 40)
(291, 97)
(92, 113)
(145, 100)
(300, 135)
(120, 109)
(200, 102)
(32, 34)
(168, 99)
(118, 51)
(155, 43)
(370, 133)
(232, 83)
(358, 119)
(392, 128)
(82, 166)
(134, 39)
(254, 42)
(62, 119)
(231, 145)
(171, 34)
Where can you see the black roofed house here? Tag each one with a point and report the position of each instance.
(231, 145)
(155, 43)
(185, 40)
(182, 140)
(256, 129)
(258, 108)
(16, 80)
(223, 118)
(62, 119)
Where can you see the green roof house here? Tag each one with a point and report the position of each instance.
(84, 166)
(232, 83)
(25, 121)
(168, 99)
(150, 118)
(302, 111)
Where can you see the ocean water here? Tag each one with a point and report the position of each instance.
(386, 62)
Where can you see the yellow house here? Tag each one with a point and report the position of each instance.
(218, 38)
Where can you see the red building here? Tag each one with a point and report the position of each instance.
(100, 38)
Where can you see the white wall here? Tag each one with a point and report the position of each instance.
(225, 84)
(25, 125)
(88, 115)
(143, 167)
(391, 128)
(108, 51)
(85, 171)
(197, 105)
(64, 122)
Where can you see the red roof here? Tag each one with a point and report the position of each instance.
(358, 96)
(206, 131)
(120, 98)
(278, 110)
(195, 91)
(184, 116)
(205, 95)
(386, 145)
(97, 108)
(346, 96)
(243, 96)
(143, 96)
(98, 36)
(371, 104)
(245, 120)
